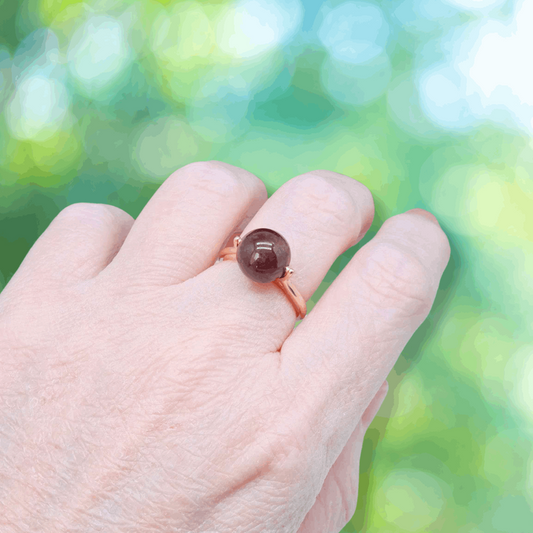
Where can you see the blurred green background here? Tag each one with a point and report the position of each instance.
(429, 103)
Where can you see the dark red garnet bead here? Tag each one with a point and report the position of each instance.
(263, 255)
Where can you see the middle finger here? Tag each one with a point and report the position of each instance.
(320, 214)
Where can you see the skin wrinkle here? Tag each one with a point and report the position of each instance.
(333, 209)
(355, 203)
(114, 479)
(396, 272)
(196, 418)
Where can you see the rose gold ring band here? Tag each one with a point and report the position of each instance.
(292, 293)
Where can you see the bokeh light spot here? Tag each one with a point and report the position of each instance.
(37, 108)
(442, 98)
(182, 34)
(354, 32)
(453, 195)
(503, 455)
(410, 499)
(410, 416)
(475, 4)
(250, 27)
(163, 146)
(519, 374)
(355, 84)
(499, 65)
(404, 105)
(357, 69)
(484, 74)
(98, 54)
(38, 55)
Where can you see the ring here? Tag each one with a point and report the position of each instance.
(263, 256)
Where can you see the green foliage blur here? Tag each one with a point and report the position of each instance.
(102, 100)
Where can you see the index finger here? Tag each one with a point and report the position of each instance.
(343, 350)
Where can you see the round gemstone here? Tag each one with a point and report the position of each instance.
(263, 255)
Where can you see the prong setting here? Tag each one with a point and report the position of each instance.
(288, 273)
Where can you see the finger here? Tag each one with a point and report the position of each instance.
(79, 242)
(320, 214)
(344, 349)
(182, 228)
(336, 502)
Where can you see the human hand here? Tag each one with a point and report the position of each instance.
(146, 388)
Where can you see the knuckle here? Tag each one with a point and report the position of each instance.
(424, 238)
(332, 207)
(355, 187)
(84, 210)
(212, 177)
(397, 278)
(201, 167)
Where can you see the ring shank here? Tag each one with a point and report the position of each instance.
(292, 293)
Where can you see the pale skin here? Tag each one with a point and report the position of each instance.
(146, 388)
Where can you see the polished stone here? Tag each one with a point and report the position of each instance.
(263, 255)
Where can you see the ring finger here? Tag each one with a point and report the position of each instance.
(320, 214)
